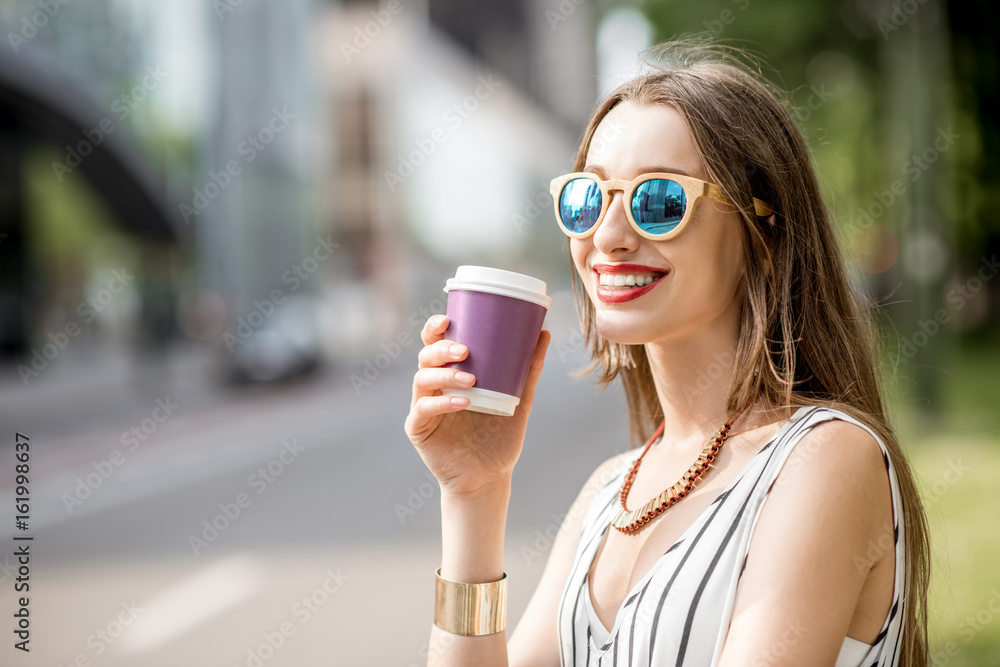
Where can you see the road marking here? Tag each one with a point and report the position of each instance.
(190, 602)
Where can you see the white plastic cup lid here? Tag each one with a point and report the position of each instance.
(485, 401)
(499, 281)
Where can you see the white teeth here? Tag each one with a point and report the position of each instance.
(626, 280)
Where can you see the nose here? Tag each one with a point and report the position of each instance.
(615, 235)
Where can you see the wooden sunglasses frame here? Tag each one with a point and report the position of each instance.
(694, 189)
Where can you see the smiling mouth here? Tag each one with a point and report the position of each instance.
(628, 281)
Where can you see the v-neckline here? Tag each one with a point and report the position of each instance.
(680, 540)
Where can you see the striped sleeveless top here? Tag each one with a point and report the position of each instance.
(679, 613)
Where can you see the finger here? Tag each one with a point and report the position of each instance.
(429, 381)
(429, 407)
(440, 353)
(434, 329)
(535, 370)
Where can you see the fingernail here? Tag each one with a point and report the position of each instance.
(459, 401)
(456, 350)
(464, 378)
(438, 319)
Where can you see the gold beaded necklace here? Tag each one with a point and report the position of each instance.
(626, 520)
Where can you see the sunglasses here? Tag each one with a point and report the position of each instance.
(659, 205)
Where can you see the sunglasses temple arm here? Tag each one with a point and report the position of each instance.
(713, 191)
(761, 209)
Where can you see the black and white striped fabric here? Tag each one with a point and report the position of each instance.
(679, 613)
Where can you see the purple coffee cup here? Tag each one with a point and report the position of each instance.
(498, 315)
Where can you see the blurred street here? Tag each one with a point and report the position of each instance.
(346, 517)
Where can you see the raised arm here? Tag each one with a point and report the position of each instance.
(472, 455)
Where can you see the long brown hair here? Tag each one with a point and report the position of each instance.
(802, 326)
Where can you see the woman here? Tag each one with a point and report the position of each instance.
(699, 237)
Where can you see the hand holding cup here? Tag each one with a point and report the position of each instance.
(467, 450)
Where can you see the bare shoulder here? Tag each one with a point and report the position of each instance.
(837, 453)
(839, 471)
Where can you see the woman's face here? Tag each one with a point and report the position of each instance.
(698, 274)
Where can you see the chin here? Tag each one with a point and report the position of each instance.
(620, 331)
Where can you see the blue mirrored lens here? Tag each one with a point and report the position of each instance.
(580, 204)
(658, 205)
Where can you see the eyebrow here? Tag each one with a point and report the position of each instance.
(599, 170)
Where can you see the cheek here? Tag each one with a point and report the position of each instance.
(711, 268)
(578, 250)
(729, 255)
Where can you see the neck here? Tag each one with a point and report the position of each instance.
(692, 378)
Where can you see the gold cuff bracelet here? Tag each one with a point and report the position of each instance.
(470, 610)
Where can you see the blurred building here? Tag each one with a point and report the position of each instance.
(288, 180)
(446, 120)
(70, 168)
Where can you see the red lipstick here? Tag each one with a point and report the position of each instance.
(621, 295)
